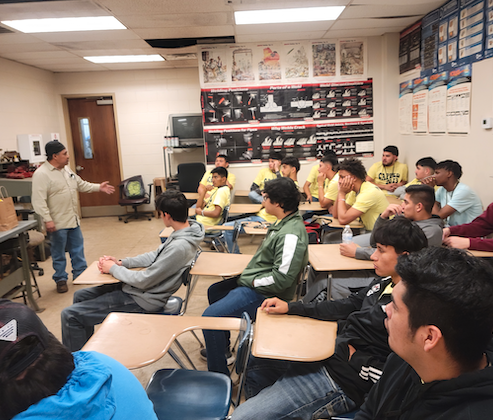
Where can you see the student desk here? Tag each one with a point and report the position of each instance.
(327, 257)
(481, 254)
(236, 208)
(191, 195)
(137, 340)
(23, 273)
(92, 275)
(314, 206)
(219, 264)
(392, 199)
(292, 337)
(166, 232)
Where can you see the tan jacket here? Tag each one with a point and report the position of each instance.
(54, 195)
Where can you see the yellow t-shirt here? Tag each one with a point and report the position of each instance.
(370, 200)
(216, 197)
(207, 179)
(416, 181)
(332, 188)
(312, 179)
(264, 175)
(383, 175)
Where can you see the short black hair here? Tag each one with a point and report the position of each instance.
(332, 159)
(222, 172)
(427, 162)
(452, 290)
(354, 167)
(329, 152)
(174, 203)
(423, 194)
(400, 233)
(225, 157)
(452, 166)
(275, 155)
(392, 149)
(283, 191)
(291, 161)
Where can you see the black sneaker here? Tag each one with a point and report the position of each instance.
(230, 359)
(61, 286)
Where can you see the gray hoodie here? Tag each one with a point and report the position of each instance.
(432, 228)
(152, 287)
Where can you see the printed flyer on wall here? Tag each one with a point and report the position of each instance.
(437, 99)
(420, 105)
(406, 107)
(459, 101)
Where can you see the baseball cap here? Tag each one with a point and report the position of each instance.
(53, 147)
(17, 322)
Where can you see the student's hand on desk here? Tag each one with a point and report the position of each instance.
(348, 250)
(457, 242)
(309, 198)
(102, 263)
(392, 187)
(50, 226)
(274, 306)
(106, 187)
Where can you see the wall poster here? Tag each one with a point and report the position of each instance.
(459, 100)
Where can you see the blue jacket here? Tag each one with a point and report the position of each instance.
(98, 388)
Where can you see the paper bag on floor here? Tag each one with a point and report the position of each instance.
(8, 218)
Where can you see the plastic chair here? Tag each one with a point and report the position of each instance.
(132, 193)
(216, 236)
(189, 395)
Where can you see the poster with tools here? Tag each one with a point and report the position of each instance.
(304, 141)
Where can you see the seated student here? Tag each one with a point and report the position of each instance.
(210, 211)
(472, 235)
(264, 175)
(311, 187)
(388, 174)
(328, 181)
(273, 270)
(456, 203)
(439, 325)
(357, 197)
(425, 168)
(206, 182)
(291, 390)
(40, 379)
(417, 206)
(289, 169)
(139, 291)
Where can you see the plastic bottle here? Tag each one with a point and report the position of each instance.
(347, 235)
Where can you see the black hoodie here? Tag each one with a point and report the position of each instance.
(400, 394)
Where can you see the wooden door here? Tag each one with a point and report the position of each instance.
(95, 148)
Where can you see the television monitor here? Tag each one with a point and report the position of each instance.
(187, 127)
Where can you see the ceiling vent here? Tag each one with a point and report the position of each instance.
(188, 42)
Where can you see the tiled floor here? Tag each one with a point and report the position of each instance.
(108, 236)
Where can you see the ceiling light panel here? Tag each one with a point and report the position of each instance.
(71, 24)
(308, 14)
(124, 59)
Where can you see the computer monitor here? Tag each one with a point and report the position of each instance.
(187, 127)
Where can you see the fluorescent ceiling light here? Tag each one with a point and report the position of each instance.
(72, 24)
(108, 59)
(305, 14)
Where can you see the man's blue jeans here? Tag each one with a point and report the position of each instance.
(72, 241)
(291, 390)
(91, 306)
(228, 234)
(227, 299)
(255, 197)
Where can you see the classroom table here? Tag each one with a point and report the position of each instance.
(166, 232)
(191, 195)
(481, 254)
(392, 199)
(237, 208)
(92, 275)
(22, 274)
(242, 193)
(293, 337)
(313, 206)
(327, 257)
(219, 264)
(137, 340)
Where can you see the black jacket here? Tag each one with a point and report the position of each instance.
(361, 324)
(400, 394)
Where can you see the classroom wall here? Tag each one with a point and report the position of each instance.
(472, 151)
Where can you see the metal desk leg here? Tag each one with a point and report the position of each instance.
(329, 286)
(26, 272)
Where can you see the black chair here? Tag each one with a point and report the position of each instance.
(132, 193)
(189, 176)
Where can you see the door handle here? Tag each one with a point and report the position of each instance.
(79, 168)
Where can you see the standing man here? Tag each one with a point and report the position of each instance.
(264, 175)
(388, 174)
(439, 325)
(456, 203)
(54, 198)
(206, 183)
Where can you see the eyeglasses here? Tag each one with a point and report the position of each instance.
(264, 197)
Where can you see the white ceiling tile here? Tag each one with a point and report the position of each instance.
(50, 9)
(346, 33)
(80, 36)
(372, 23)
(17, 38)
(116, 45)
(48, 55)
(433, 4)
(133, 7)
(356, 11)
(24, 47)
(283, 27)
(276, 4)
(177, 20)
(280, 37)
(185, 32)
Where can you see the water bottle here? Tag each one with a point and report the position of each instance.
(347, 235)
